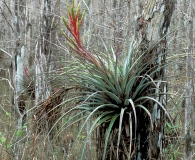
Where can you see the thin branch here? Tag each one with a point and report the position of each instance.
(7, 7)
(6, 19)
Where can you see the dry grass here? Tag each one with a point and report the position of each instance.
(36, 146)
(40, 146)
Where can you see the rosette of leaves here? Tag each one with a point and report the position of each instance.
(116, 95)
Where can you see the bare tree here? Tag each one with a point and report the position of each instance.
(19, 54)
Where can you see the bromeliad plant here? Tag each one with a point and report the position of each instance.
(115, 94)
(74, 27)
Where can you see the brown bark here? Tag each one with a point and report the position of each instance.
(189, 108)
(152, 27)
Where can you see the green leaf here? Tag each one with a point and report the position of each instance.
(8, 114)
(114, 97)
(96, 81)
(139, 87)
(106, 118)
(129, 87)
(81, 20)
(111, 63)
(108, 134)
(134, 113)
(19, 133)
(147, 98)
(115, 80)
(120, 128)
(128, 61)
(9, 146)
(107, 81)
(68, 121)
(92, 113)
(3, 140)
(65, 22)
(169, 125)
(130, 133)
(96, 123)
(148, 112)
(25, 126)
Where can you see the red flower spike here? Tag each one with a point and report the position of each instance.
(74, 25)
(81, 20)
(26, 72)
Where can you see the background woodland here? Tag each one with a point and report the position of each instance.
(34, 55)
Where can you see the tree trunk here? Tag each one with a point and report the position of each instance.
(152, 27)
(189, 88)
(44, 58)
(19, 53)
